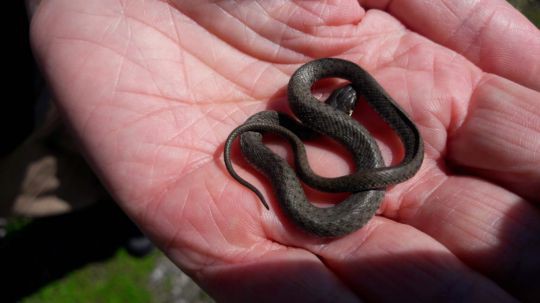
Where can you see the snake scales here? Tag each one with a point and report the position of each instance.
(332, 118)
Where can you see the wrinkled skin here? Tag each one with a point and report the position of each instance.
(153, 88)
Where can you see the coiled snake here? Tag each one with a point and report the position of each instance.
(332, 118)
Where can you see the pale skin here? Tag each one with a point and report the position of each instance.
(153, 88)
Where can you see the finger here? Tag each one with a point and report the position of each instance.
(491, 229)
(280, 275)
(490, 33)
(387, 260)
(500, 136)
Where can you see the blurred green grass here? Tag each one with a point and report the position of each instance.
(123, 278)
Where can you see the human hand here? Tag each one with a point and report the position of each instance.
(153, 88)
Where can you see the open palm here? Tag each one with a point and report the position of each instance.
(153, 88)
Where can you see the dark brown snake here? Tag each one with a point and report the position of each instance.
(370, 178)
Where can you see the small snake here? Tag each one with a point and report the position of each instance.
(331, 118)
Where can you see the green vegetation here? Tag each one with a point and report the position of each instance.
(121, 279)
(16, 224)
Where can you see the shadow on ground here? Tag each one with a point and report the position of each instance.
(47, 249)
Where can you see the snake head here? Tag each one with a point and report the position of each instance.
(343, 99)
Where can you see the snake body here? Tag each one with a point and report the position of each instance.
(332, 118)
